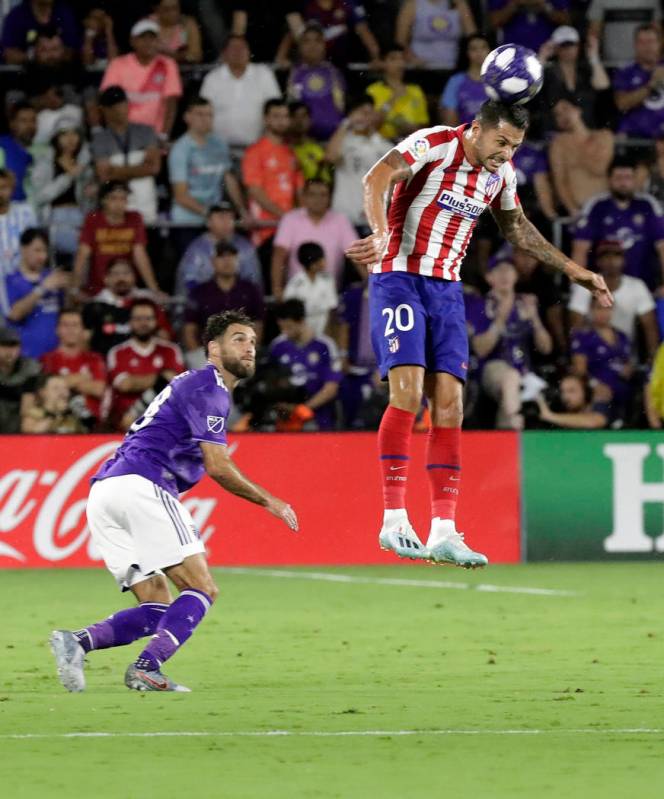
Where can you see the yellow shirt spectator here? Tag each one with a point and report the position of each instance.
(401, 114)
(655, 391)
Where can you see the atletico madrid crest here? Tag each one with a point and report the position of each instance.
(393, 344)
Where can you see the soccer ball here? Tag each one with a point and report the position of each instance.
(512, 74)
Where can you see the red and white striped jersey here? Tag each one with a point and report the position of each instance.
(432, 215)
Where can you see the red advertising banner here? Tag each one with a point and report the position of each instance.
(331, 479)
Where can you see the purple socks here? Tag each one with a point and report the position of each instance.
(174, 628)
(122, 627)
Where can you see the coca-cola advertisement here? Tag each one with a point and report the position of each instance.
(331, 479)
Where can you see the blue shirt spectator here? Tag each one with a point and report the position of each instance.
(15, 147)
(464, 92)
(32, 17)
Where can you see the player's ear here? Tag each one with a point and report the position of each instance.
(214, 349)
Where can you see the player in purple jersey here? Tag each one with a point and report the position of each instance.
(141, 529)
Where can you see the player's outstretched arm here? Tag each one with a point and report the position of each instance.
(391, 169)
(219, 465)
(521, 233)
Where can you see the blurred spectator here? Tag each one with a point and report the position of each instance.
(314, 365)
(653, 398)
(62, 180)
(336, 18)
(263, 23)
(603, 353)
(140, 362)
(354, 149)
(569, 77)
(317, 83)
(199, 167)
(15, 147)
(196, 264)
(18, 380)
(99, 45)
(527, 22)
(127, 151)
(314, 286)
(52, 110)
(109, 233)
(535, 189)
(313, 222)
(272, 177)
(579, 157)
(503, 331)
(310, 154)
(401, 107)
(179, 34)
(430, 31)
(614, 22)
(84, 372)
(652, 174)
(52, 62)
(633, 303)
(225, 292)
(634, 219)
(639, 87)
(582, 409)
(32, 17)
(35, 295)
(51, 412)
(15, 217)
(464, 92)
(151, 80)
(106, 315)
(238, 91)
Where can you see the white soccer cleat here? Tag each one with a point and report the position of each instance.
(69, 658)
(399, 537)
(446, 545)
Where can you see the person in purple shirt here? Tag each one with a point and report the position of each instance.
(318, 84)
(503, 330)
(313, 362)
(535, 189)
(464, 92)
(141, 529)
(527, 22)
(639, 87)
(32, 17)
(623, 215)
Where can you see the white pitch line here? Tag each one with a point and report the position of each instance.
(409, 583)
(327, 734)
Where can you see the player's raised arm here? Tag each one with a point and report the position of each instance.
(521, 233)
(377, 183)
(221, 468)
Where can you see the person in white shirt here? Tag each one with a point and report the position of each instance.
(633, 302)
(238, 90)
(314, 285)
(15, 217)
(354, 148)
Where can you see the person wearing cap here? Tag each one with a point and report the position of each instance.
(127, 151)
(196, 264)
(527, 22)
(62, 180)
(18, 381)
(633, 307)
(150, 79)
(572, 75)
(225, 292)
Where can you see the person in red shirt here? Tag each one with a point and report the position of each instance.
(141, 363)
(109, 233)
(83, 371)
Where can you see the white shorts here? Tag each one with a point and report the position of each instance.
(138, 528)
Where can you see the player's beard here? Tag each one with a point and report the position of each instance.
(239, 368)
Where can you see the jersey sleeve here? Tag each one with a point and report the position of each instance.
(206, 412)
(425, 145)
(507, 198)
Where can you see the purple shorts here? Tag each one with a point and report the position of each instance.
(418, 320)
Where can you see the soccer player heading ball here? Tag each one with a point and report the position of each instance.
(443, 179)
(141, 529)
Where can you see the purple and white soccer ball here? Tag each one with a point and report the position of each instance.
(512, 74)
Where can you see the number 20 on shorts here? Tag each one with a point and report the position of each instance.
(400, 318)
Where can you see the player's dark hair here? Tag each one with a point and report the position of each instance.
(308, 253)
(290, 309)
(196, 102)
(111, 186)
(225, 248)
(621, 162)
(143, 301)
(218, 324)
(31, 234)
(275, 102)
(358, 101)
(492, 113)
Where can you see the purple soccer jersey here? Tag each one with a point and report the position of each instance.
(464, 95)
(646, 121)
(514, 346)
(528, 162)
(163, 445)
(322, 89)
(637, 227)
(606, 362)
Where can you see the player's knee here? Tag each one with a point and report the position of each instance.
(449, 413)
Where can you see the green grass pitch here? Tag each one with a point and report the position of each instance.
(464, 692)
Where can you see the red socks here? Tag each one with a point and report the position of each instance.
(444, 470)
(394, 452)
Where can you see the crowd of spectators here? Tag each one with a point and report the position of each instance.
(163, 161)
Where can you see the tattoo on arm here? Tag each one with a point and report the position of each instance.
(521, 233)
(398, 162)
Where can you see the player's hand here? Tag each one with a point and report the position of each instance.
(368, 251)
(591, 281)
(282, 510)
(57, 280)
